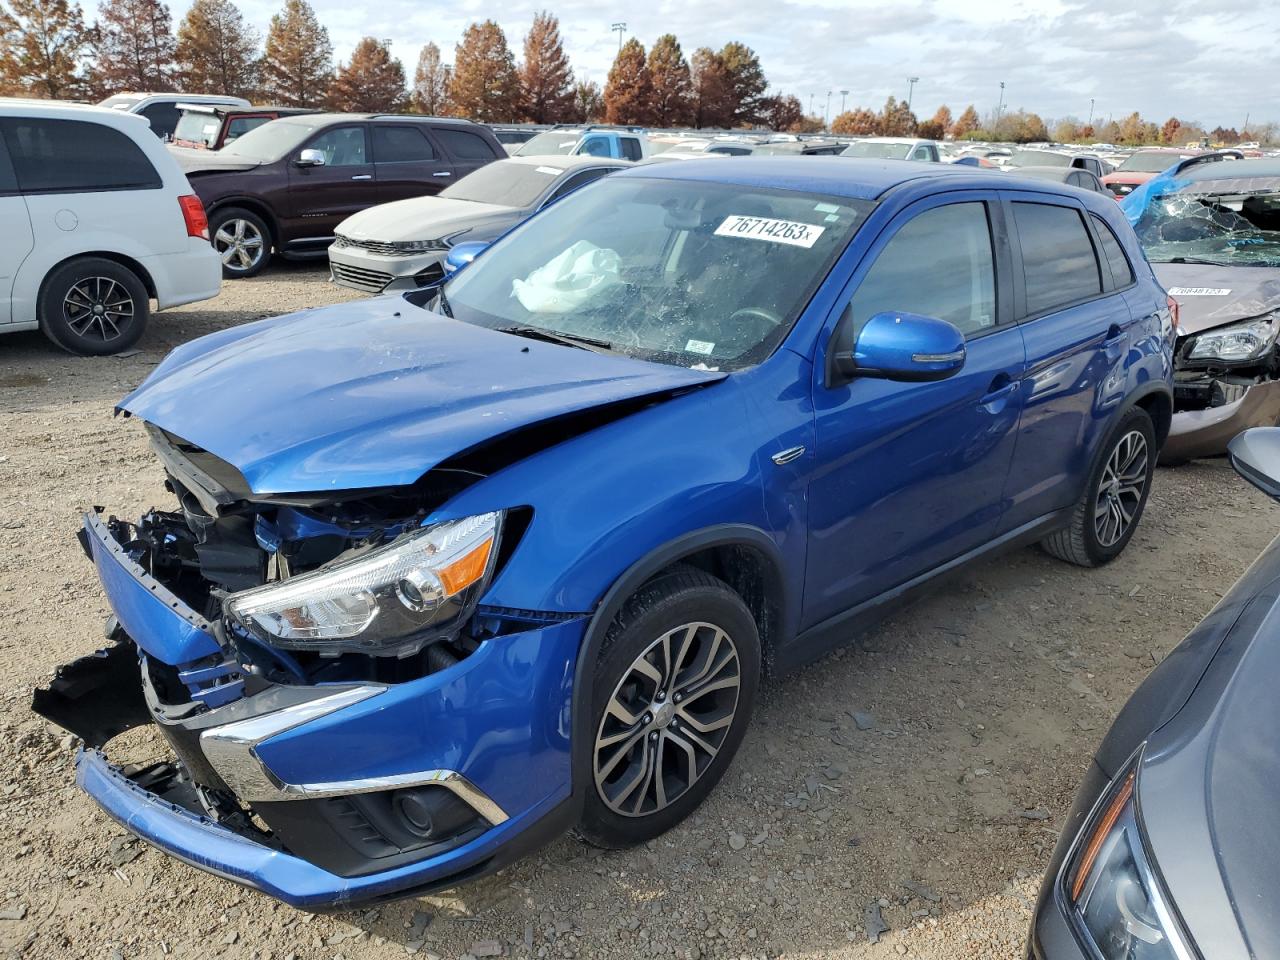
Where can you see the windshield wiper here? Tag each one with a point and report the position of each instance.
(1207, 263)
(442, 301)
(555, 336)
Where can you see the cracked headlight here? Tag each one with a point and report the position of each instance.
(1113, 892)
(389, 601)
(1240, 341)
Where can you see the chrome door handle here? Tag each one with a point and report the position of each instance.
(363, 176)
(443, 173)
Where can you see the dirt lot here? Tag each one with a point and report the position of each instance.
(982, 706)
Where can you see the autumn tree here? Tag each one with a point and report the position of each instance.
(671, 82)
(1169, 132)
(1227, 135)
(588, 102)
(297, 66)
(1086, 133)
(1109, 132)
(217, 52)
(896, 119)
(858, 122)
(628, 94)
(1066, 130)
(135, 46)
(746, 82)
(783, 113)
(372, 81)
(485, 85)
(712, 90)
(809, 124)
(431, 81)
(546, 79)
(42, 46)
(937, 126)
(967, 123)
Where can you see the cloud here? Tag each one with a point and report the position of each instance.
(1210, 61)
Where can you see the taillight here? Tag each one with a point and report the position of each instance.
(193, 215)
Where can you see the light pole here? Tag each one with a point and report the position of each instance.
(619, 28)
(845, 93)
(811, 104)
(1000, 105)
(1090, 123)
(826, 114)
(911, 90)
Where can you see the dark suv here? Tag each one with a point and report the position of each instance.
(287, 184)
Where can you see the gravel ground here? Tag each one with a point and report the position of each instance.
(980, 706)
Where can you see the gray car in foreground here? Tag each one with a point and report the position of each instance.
(1172, 851)
(401, 245)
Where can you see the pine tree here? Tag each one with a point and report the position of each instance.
(672, 84)
(712, 92)
(967, 123)
(746, 82)
(431, 81)
(217, 52)
(485, 86)
(42, 46)
(371, 82)
(135, 46)
(546, 78)
(297, 66)
(628, 94)
(588, 103)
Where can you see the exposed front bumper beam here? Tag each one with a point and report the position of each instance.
(1206, 433)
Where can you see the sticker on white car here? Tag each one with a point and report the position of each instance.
(773, 231)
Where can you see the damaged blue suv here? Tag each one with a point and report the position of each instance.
(448, 573)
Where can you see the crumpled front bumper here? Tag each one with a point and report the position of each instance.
(322, 764)
(1206, 433)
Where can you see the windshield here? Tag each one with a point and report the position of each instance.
(693, 274)
(198, 127)
(553, 142)
(1149, 162)
(271, 141)
(1226, 229)
(1039, 158)
(506, 183)
(877, 150)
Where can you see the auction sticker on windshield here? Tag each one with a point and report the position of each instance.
(774, 231)
(1199, 292)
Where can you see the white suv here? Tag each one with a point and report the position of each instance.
(163, 110)
(97, 220)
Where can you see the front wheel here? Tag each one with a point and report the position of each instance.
(1108, 511)
(242, 240)
(672, 696)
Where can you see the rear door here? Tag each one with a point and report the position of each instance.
(408, 162)
(1076, 329)
(16, 242)
(322, 197)
(467, 150)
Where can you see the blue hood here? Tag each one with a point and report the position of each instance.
(374, 393)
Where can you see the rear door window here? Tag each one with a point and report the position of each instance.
(75, 156)
(400, 145)
(1113, 253)
(1059, 266)
(163, 117)
(8, 179)
(631, 149)
(463, 145)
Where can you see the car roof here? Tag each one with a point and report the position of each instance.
(1233, 169)
(890, 140)
(850, 177)
(64, 110)
(392, 118)
(566, 163)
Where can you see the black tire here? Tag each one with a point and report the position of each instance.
(1089, 540)
(92, 306)
(238, 234)
(671, 604)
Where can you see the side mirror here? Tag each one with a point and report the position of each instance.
(462, 254)
(1255, 455)
(895, 346)
(310, 158)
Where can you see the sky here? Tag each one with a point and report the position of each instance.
(1210, 61)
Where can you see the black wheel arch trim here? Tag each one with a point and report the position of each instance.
(640, 572)
(1149, 389)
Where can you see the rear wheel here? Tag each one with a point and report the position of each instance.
(1108, 511)
(242, 240)
(673, 693)
(93, 306)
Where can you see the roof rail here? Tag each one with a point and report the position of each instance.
(1208, 158)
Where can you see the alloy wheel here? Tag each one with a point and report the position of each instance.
(667, 719)
(1120, 490)
(239, 243)
(98, 308)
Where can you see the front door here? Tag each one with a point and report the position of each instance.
(408, 162)
(911, 475)
(321, 197)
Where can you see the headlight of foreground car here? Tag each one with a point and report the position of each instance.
(1112, 891)
(1240, 341)
(390, 601)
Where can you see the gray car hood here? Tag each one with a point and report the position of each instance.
(424, 218)
(1209, 295)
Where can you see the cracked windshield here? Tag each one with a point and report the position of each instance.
(1236, 229)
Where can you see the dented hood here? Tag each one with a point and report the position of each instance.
(1209, 295)
(374, 393)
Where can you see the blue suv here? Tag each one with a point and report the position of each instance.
(451, 572)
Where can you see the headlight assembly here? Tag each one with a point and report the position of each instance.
(390, 601)
(420, 246)
(1111, 890)
(1237, 343)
